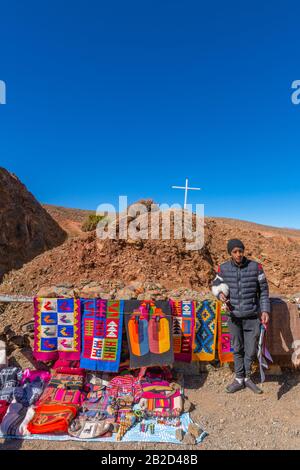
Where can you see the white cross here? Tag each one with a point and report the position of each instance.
(186, 188)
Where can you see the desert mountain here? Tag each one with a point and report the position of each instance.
(27, 229)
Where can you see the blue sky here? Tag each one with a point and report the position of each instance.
(109, 98)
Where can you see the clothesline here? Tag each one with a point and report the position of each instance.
(24, 299)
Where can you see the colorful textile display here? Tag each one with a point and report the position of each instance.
(16, 419)
(102, 334)
(225, 348)
(10, 377)
(183, 329)
(57, 329)
(52, 419)
(149, 330)
(205, 331)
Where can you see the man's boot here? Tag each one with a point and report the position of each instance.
(235, 386)
(252, 386)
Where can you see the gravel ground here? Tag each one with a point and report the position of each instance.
(239, 421)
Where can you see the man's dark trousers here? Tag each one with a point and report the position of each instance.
(244, 333)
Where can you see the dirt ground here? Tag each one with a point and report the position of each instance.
(239, 421)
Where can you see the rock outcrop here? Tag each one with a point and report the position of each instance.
(26, 229)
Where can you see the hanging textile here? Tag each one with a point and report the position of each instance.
(262, 353)
(102, 334)
(183, 329)
(57, 329)
(225, 348)
(205, 331)
(149, 333)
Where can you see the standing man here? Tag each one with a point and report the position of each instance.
(242, 284)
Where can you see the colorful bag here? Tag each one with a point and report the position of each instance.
(161, 398)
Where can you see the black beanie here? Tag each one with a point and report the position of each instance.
(234, 243)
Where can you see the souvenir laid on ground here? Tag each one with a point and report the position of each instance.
(52, 419)
(10, 377)
(83, 428)
(92, 406)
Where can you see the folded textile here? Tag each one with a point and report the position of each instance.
(64, 366)
(54, 395)
(63, 388)
(57, 331)
(10, 377)
(149, 333)
(183, 329)
(3, 408)
(204, 347)
(68, 381)
(102, 322)
(225, 347)
(52, 419)
(16, 419)
(29, 393)
(30, 375)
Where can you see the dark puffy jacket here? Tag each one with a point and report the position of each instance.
(248, 287)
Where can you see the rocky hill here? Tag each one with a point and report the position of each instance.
(26, 228)
(107, 266)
